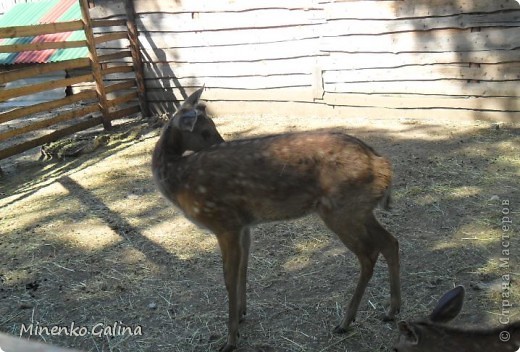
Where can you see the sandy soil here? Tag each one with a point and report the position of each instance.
(89, 241)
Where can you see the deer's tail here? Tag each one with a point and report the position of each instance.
(386, 201)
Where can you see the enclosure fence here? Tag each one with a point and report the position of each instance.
(101, 103)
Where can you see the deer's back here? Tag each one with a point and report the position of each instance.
(278, 177)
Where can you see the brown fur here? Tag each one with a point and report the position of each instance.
(433, 335)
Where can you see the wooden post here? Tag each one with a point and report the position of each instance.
(94, 63)
(136, 56)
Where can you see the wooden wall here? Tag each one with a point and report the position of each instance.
(400, 58)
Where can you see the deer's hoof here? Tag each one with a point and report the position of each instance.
(339, 330)
(228, 348)
(387, 318)
(390, 316)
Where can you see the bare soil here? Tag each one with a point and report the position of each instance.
(88, 243)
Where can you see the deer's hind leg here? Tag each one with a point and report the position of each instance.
(389, 247)
(350, 227)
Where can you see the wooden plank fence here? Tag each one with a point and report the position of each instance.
(450, 59)
(102, 99)
(454, 59)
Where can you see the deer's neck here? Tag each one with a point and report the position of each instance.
(167, 160)
(487, 340)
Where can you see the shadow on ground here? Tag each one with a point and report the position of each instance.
(90, 242)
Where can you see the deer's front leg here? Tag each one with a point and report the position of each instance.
(231, 257)
(245, 244)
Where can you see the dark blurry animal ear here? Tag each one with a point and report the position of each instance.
(408, 332)
(449, 305)
(193, 99)
(201, 108)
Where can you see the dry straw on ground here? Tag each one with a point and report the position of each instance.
(89, 240)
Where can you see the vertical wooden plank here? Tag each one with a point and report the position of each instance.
(136, 56)
(317, 82)
(95, 65)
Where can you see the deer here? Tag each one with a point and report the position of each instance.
(434, 335)
(228, 187)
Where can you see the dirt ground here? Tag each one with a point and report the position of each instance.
(88, 244)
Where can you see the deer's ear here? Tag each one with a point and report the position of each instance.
(449, 305)
(193, 99)
(408, 332)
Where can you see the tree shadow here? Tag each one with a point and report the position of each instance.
(118, 224)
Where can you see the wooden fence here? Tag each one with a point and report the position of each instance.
(455, 59)
(101, 103)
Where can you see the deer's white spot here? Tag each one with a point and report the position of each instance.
(196, 210)
(202, 189)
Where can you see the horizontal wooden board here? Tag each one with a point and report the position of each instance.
(419, 8)
(33, 30)
(172, 39)
(302, 94)
(446, 40)
(124, 85)
(108, 24)
(116, 68)
(117, 56)
(50, 105)
(410, 101)
(397, 101)
(341, 26)
(234, 53)
(26, 145)
(352, 68)
(243, 82)
(40, 87)
(110, 37)
(146, 6)
(36, 70)
(338, 61)
(297, 109)
(125, 112)
(455, 88)
(44, 123)
(16, 48)
(115, 9)
(201, 21)
(125, 98)
(302, 65)
(505, 72)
